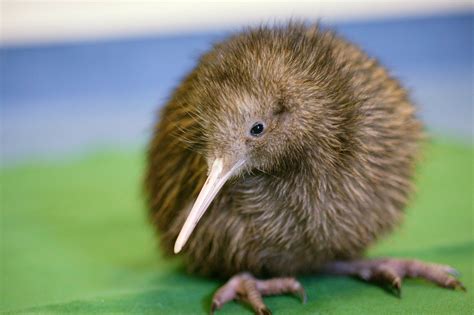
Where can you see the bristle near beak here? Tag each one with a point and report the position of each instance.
(218, 175)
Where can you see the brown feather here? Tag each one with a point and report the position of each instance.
(332, 174)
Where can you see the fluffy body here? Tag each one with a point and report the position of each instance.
(332, 174)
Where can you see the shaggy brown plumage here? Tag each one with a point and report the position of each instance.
(331, 173)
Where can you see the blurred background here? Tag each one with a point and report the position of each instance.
(77, 75)
(80, 86)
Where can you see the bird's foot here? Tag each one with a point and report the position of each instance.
(392, 271)
(245, 287)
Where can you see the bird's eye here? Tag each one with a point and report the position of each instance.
(257, 129)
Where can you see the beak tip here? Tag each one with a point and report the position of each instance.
(177, 248)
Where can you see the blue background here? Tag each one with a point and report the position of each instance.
(61, 99)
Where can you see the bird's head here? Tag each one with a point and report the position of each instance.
(255, 98)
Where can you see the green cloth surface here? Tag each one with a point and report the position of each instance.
(75, 239)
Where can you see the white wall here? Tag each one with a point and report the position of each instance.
(40, 21)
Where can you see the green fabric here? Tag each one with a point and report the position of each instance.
(74, 238)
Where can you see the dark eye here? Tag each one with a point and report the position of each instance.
(257, 129)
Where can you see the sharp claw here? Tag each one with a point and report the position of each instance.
(214, 307)
(397, 286)
(302, 295)
(264, 311)
(397, 283)
(454, 284)
(459, 285)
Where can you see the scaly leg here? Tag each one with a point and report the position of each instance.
(392, 271)
(246, 288)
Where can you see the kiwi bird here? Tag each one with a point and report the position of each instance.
(287, 150)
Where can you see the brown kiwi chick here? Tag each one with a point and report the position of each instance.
(286, 151)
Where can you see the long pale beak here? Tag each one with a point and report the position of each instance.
(217, 177)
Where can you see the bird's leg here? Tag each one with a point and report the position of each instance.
(245, 287)
(392, 271)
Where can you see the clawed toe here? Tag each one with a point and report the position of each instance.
(387, 276)
(393, 271)
(245, 287)
(264, 311)
(454, 284)
(301, 293)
